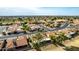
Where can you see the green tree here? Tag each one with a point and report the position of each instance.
(58, 40)
(25, 27)
(53, 39)
(35, 40)
(62, 36)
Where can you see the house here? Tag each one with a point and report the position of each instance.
(49, 33)
(12, 28)
(9, 44)
(1, 44)
(21, 41)
(71, 34)
(3, 29)
(45, 39)
(34, 27)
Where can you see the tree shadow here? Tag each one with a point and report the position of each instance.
(71, 48)
(60, 44)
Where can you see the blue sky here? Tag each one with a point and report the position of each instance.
(17, 11)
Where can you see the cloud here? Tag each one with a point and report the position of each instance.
(38, 11)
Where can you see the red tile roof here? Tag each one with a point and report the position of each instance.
(1, 43)
(21, 40)
(9, 43)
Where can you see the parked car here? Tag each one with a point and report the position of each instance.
(17, 32)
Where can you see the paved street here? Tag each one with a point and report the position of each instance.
(16, 35)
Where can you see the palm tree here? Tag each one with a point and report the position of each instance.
(36, 41)
(71, 21)
(59, 39)
(25, 27)
(53, 39)
(62, 36)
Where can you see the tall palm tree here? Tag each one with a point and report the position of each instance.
(36, 41)
(53, 39)
(25, 27)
